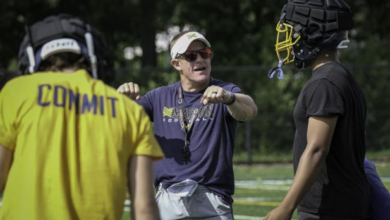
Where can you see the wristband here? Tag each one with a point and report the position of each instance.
(231, 100)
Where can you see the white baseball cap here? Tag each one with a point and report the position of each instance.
(184, 41)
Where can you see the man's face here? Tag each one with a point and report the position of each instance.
(197, 70)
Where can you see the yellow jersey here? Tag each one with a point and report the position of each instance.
(71, 137)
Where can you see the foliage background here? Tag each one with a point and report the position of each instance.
(242, 34)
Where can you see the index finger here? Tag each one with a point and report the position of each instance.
(205, 95)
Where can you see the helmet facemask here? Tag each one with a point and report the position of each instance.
(285, 40)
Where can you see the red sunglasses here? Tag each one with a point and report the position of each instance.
(192, 55)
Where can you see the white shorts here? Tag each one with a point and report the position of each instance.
(203, 204)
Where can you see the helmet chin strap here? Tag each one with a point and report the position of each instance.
(31, 59)
(30, 52)
(91, 53)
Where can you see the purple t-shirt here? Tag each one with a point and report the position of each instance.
(380, 196)
(211, 138)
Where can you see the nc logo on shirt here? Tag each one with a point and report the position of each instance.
(167, 112)
(203, 113)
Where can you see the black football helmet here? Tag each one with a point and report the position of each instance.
(307, 27)
(65, 33)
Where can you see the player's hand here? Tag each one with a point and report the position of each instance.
(215, 94)
(130, 89)
(278, 214)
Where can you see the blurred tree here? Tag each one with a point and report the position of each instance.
(13, 18)
(242, 34)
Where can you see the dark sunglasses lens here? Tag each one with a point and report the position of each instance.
(190, 55)
(206, 53)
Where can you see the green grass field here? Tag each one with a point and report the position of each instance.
(260, 188)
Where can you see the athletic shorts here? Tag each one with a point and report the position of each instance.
(202, 204)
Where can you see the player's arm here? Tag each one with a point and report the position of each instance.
(143, 204)
(319, 136)
(5, 165)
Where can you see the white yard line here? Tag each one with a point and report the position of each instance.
(264, 184)
(241, 217)
(385, 179)
(244, 217)
(247, 217)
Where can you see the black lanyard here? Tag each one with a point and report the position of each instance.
(184, 128)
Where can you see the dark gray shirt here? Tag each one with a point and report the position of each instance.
(341, 188)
